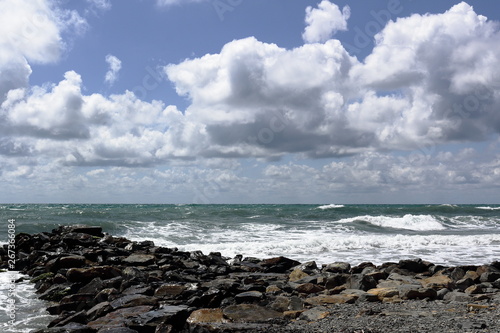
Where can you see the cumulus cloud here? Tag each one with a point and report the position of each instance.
(431, 79)
(324, 22)
(115, 65)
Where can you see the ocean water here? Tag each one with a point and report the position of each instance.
(442, 234)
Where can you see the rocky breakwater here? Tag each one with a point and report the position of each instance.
(96, 282)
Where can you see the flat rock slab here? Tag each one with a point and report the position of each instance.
(251, 313)
(117, 318)
(139, 259)
(331, 299)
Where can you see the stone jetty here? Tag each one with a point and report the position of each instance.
(98, 283)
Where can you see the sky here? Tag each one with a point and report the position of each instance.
(249, 101)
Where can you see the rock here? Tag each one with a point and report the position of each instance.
(169, 291)
(456, 296)
(489, 276)
(65, 262)
(420, 293)
(309, 288)
(337, 267)
(117, 318)
(297, 274)
(212, 316)
(463, 284)
(437, 282)
(250, 313)
(249, 296)
(474, 289)
(278, 264)
(382, 293)
(133, 301)
(314, 314)
(85, 229)
(117, 330)
(139, 260)
(99, 310)
(331, 299)
(336, 280)
(362, 282)
(87, 274)
(174, 316)
(414, 265)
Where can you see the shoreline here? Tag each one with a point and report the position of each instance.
(100, 283)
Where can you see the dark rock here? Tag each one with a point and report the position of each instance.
(133, 301)
(87, 274)
(278, 264)
(117, 318)
(414, 265)
(117, 330)
(249, 296)
(170, 315)
(490, 276)
(139, 260)
(362, 282)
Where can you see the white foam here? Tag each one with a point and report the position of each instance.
(488, 208)
(331, 242)
(330, 206)
(408, 222)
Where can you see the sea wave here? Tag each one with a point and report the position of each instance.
(330, 206)
(488, 208)
(408, 222)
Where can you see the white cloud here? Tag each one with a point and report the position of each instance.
(324, 22)
(115, 65)
(431, 79)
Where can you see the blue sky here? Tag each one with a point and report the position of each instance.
(249, 101)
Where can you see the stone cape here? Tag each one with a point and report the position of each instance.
(100, 283)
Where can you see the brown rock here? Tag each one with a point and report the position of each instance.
(474, 289)
(382, 293)
(297, 274)
(309, 288)
(213, 316)
(437, 282)
(169, 290)
(250, 313)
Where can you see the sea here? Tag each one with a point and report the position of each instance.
(442, 234)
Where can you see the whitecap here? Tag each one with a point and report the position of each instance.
(330, 206)
(488, 208)
(408, 222)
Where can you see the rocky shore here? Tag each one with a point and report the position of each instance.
(98, 283)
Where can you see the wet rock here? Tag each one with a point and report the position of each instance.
(117, 318)
(249, 296)
(88, 274)
(169, 291)
(133, 301)
(174, 316)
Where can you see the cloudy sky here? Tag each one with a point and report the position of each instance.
(249, 101)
